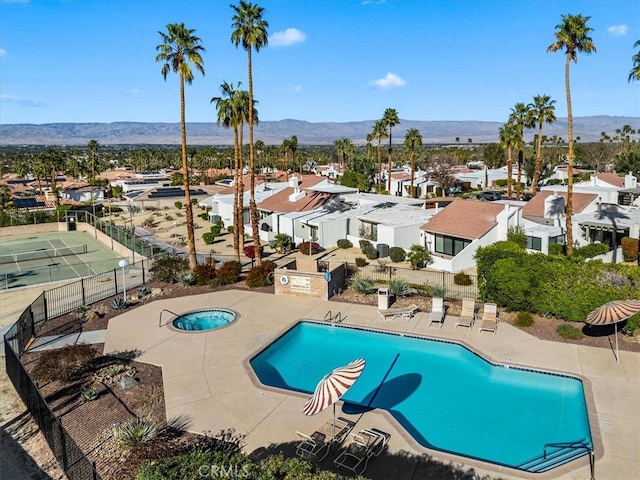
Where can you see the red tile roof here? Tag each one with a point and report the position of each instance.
(611, 179)
(279, 202)
(469, 219)
(535, 206)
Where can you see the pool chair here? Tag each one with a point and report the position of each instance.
(468, 313)
(362, 446)
(437, 311)
(317, 445)
(489, 321)
(391, 313)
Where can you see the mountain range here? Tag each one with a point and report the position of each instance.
(307, 133)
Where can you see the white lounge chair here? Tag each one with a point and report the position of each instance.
(361, 447)
(489, 321)
(437, 311)
(391, 313)
(317, 445)
(468, 313)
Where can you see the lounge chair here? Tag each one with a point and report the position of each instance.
(361, 447)
(437, 311)
(317, 445)
(468, 314)
(391, 313)
(489, 320)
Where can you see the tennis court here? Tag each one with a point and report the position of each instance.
(27, 260)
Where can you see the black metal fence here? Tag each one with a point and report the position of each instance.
(429, 278)
(69, 455)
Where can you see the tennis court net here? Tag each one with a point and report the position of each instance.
(43, 253)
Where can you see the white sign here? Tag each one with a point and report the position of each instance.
(300, 284)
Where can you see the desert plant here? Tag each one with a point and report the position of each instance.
(81, 311)
(166, 267)
(206, 271)
(208, 237)
(88, 394)
(569, 332)
(281, 242)
(64, 363)
(397, 254)
(309, 248)
(629, 249)
(399, 287)
(118, 303)
(135, 432)
(257, 276)
(362, 285)
(344, 243)
(149, 221)
(371, 253)
(418, 256)
(168, 218)
(524, 319)
(187, 278)
(364, 245)
(143, 292)
(361, 262)
(436, 291)
(178, 205)
(229, 272)
(462, 278)
(115, 369)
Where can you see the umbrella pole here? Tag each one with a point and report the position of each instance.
(615, 325)
(334, 422)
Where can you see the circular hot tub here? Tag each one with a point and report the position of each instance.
(204, 320)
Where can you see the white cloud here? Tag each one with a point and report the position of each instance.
(618, 30)
(296, 88)
(390, 80)
(22, 101)
(3, 52)
(290, 36)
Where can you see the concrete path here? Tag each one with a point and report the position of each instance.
(207, 380)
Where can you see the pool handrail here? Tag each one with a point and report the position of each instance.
(160, 324)
(577, 445)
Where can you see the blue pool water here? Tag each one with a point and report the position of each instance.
(204, 320)
(447, 397)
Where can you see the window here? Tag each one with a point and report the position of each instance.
(246, 216)
(534, 243)
(450, 245)
(369, 231)
(559, 240)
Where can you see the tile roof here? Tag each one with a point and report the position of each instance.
(535, 206)
(468, 219)
(611, 179)
(279, 202)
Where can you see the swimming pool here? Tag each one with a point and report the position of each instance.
(202, 320)
(444, 395)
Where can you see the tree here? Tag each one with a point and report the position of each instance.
(250, 30)
(628, 162)
(542, 110)
(344, 149)
(390, 119)
(634, 74)
(572, 35)
(441, 167)
(180, 49)
(412, 140)
(93, 146)
(379, 132)
(509, 137)
(521, 118)
(493, 155)
(418, 256)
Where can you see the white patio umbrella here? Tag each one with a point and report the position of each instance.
(614, 312)
(332, 387)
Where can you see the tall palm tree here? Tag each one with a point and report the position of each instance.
(93, 146)
(412, 140)
(634, 74)
(572, 36)
(542, 110)
(250, 30)
(520, 117)
(379, 132)
(390, 119)
(509, 137)
(180, 49)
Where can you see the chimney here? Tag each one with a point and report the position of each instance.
(630, 181)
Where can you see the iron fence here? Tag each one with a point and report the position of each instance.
(445, 280)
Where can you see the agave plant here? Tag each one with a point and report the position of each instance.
(88, 394)
(399, 287)
(143, 291)
(118, 303)
(362, 284)
(187, 278)
(135, 432)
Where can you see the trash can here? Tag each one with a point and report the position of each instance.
(383, 250)
(71, 224)
(383, 298)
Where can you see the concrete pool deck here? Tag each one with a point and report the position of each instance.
(207, 383)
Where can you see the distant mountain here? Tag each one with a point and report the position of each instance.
(274, 132)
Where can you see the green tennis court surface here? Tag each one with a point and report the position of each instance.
(27, 260)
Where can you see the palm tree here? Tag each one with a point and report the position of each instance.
(93, 146)
(520, 116)
(412, 140)
(344, 148)
(180, 49)
(634, 74)
(572, 35)
(390, 119)
(250, 30)
(509, 137)
(379, 132)
(542, 111)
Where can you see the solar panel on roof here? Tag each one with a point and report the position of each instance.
(29, 202)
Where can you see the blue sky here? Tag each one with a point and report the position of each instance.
(327, 60)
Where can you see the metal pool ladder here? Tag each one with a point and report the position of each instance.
(160, 324)
(330, 318)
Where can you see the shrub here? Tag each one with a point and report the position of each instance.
(166, 267)
(168, 218)
(397, 254)
(187, 278)
(281, 243)
(435, 291)
(208, 238)
(591, 250)
(257, 276)
(344, 243)
(143, 291)
(371, 253)
(556, 249)
(135, 432)
(462, 278)
(249, 251)
(569, 332)
(365, 245)
(88, 394)
(118, 303)
(518, 236)
(524, 319)
(629, 249)
(229, 272)
(204, 216)
(632, 324)
(361, 262)
(178, 205)
(362, 285)
(418, 256)
(206, 271)
(64, 363)
(309, 248)
(399, 287)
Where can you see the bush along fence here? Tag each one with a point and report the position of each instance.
(456, 285)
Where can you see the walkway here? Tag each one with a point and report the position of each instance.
(205, 378)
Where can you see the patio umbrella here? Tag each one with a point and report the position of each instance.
(614, 312)
(332, 387)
